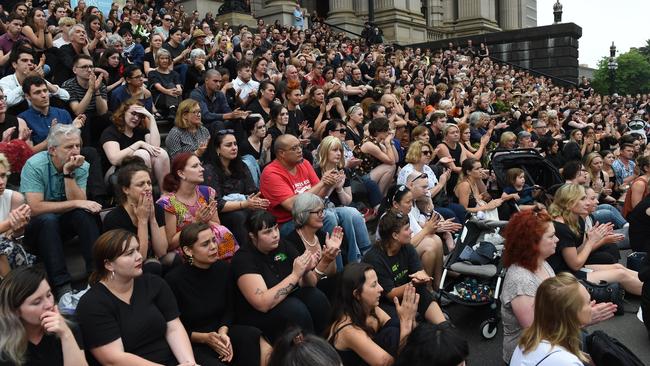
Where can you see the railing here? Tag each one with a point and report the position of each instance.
(435, 35)
(342, 29)
(556, 80)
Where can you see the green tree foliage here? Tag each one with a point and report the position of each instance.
(632, 75)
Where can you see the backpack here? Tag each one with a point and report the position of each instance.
(605, 350)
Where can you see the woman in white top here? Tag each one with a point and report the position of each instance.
(562, 307)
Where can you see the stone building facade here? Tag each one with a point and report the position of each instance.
(413, 21)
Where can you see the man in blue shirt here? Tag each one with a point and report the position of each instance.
(41, 117)
(214, 106)
(54, 185)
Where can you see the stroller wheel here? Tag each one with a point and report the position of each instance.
(488, 329)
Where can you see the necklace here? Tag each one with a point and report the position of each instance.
(309, 244)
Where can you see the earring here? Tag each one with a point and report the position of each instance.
(112, 275)
(190, 260)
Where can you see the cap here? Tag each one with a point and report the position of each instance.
(198, 33)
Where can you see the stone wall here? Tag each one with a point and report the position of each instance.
(551, 49)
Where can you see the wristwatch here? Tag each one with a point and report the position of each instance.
(69, 175)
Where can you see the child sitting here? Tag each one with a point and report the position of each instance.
(518, 191)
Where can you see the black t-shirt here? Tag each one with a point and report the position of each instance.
(112, 134)
(204, 296)
(149, 57)
(175, 51)
(334, 197)
(393, 271)
(48, 352)
(639, 229)
(245, 148)
(273, 267)
(256, 107)
(118, 218)
(10, 121)
(355, 137)
(566, 239)
(141, 325)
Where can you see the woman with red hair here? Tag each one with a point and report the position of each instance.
(529, 240)
(189, 201)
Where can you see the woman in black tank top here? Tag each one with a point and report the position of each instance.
(357, 316)
(450, 147)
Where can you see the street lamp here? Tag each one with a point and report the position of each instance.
(612, 65)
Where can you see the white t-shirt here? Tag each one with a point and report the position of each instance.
(409, 168)
(557, 356)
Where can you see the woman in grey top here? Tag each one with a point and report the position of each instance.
(529, 240)
(189, 134)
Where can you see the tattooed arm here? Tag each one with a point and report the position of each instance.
(263, 299)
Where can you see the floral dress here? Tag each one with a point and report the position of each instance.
(227, 245)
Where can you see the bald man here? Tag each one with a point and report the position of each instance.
(290, 175)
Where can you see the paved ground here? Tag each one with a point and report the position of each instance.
(627, 328)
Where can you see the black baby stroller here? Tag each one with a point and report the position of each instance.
(539, 172)
(480, 269)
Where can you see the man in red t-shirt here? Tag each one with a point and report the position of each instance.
(289, 175)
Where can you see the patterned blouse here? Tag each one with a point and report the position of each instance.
(185, 215)
(368, 162)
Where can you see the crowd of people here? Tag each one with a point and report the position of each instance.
(301, 207)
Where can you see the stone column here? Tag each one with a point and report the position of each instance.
(281, 10)
(509, 17)
(361, 9)
(342, 14)
(436, 12)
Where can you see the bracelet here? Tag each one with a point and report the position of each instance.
(322, 274)
(131, 147)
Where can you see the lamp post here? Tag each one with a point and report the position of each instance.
(612, 65)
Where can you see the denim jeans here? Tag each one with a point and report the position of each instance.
(452, 211)
(372, 190)
(355, 237)
(254, 167)
(608, 213)
(354, 230)
(181, 69)
(48, 231)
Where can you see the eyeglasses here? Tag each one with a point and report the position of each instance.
(294, 148)
(319, 212)
(84, 67)
(227, 131)
(136, 77)
(426, 152)
(198, 112)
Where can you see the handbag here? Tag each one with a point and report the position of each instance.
(606, 292)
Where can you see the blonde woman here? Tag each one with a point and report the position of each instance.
(330, 157)
(188, 134)
(562, 307)
(151, 56)
(32, 330)
(575, 248)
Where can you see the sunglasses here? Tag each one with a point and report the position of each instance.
(226, 132)
(426, 152)
(341, 130)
